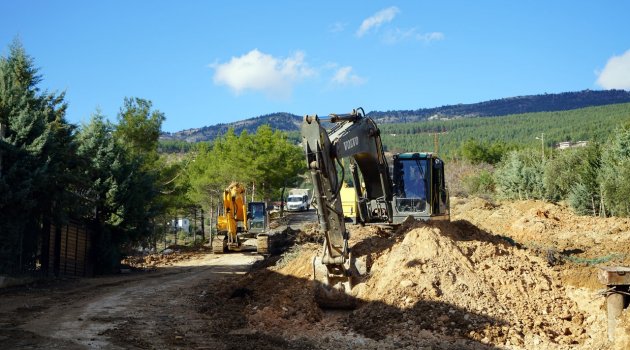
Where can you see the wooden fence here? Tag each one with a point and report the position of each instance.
(70, 251)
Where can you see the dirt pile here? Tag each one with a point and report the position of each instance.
(486, 279)
(449, 279)
(282, 299)
(548, 226)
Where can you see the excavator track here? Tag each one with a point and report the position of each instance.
(262, 244)
(219, 245)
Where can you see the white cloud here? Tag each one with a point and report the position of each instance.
(398, 35)
(337, 27)
(616, 73)
(429, 37)
(375, 21)
(345, 76)
(258, 71)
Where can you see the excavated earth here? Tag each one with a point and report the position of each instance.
(509, 275)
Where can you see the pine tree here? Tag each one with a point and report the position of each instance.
(37, 160)
(615, 173)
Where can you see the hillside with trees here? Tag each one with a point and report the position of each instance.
(277, 121)
(493, 108)
(531, 129)
(507, 106)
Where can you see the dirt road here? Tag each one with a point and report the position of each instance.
(139, 310)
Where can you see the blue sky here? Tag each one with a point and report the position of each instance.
(208, 62)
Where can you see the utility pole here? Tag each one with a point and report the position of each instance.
(436, 143)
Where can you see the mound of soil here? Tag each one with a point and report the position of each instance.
(514, 275)
(443, 277)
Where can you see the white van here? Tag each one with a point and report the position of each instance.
(298, 200)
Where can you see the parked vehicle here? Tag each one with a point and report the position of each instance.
(298, 200)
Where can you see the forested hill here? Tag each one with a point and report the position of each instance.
(279, 121)
(492, 108)
(507, 106)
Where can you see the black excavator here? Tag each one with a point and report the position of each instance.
(414, 186)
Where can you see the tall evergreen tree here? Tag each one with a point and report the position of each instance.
(37, 159)
(615, 173)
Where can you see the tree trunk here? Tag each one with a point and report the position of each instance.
(194, 225)
(211, 215)
(203, 227)
(282, 202)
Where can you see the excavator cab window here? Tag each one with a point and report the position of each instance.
(256, 214)
(411, 178)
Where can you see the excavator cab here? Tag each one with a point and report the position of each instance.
(419, 188)
(256, 217)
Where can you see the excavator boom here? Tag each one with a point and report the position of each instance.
(357, 137)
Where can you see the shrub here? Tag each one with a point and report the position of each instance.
(573, 175)
(480, 184)
(458, 174)
(582, 201)
(520, 176)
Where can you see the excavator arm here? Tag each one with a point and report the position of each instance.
(356, 137)
(234, 212)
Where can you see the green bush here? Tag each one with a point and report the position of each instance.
(483, 152)
(520, 176)
(582, 200)
(480, 184)
(573, 175)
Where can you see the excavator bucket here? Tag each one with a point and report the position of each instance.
(333, 291)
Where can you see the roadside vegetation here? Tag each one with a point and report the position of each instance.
(111, 176)
(593, 179)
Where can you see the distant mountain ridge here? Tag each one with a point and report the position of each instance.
(280, 121)
(493, 108)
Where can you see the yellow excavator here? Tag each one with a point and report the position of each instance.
(413, 187)
(240, 221)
